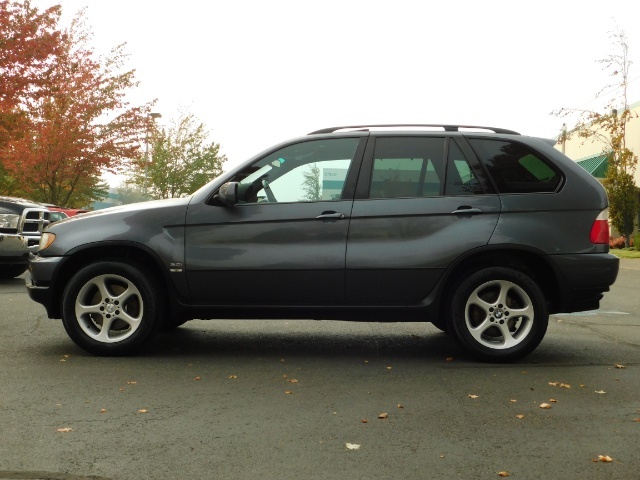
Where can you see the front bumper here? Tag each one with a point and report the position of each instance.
(14, 249)
(40, 286)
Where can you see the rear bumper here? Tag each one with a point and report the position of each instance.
(583, 280)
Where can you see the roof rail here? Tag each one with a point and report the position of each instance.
(447, 128)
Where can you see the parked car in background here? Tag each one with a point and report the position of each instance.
(68, 212)
(21, 224)
(55, 216)
(482, 231)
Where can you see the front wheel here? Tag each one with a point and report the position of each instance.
(499, 314)
(111, 308)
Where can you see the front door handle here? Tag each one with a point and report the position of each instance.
(465, 210)
(329, 215)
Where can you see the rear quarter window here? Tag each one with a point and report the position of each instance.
(516, 168)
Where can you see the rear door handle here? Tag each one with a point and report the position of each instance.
(464, 210)
(329, 215)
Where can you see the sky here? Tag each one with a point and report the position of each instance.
(260, 72)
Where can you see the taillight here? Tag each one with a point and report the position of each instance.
(600, 229)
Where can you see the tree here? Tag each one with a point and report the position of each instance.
(311, 184)
(181, 162)
(29, 40)
(610, 129)
(79, 126)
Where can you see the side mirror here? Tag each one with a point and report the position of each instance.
(227, 195)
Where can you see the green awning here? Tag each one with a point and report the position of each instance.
(596, 165)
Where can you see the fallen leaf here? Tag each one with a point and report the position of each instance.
(473, 396)
(620, 366)
(513, 400)
(449, 359)
(503, 474)
(197, 378)
(383, 416)
(292, 380)
(520, 416)
(121, 389)
(353, 446)
(565, 385)
(605, 458)
(524, 371)
(554, 384)
(600, 391)
(637, 420)
(64, 430)
(232, 376)
(400, 405)
(364, 420)
(545, 406)
(389, 368)
(582, 385)
(143, 410)
(133, 382)
(104, 410)
(553, 400)
(288, 392)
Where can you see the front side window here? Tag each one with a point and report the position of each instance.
(305, 172)
(515, 168)
(407, 167)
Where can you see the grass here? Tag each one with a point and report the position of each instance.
(624, 253)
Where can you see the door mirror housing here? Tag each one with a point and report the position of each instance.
(227, 195)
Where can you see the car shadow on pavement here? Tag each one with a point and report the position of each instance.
(203, 339)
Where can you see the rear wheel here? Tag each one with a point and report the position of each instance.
(499, 314)
(111, 308)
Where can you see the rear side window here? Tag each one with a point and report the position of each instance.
(515, 168)
(407, 167)
(461, 179)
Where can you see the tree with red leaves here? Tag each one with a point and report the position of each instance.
(78, 122)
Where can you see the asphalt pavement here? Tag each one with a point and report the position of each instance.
(230, 399)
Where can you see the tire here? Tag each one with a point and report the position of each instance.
(499, 314)
(122, 296)
(12, 271)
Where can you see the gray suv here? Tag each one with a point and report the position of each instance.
(481, 231)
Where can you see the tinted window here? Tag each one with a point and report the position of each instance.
(304, 172)
(461, 179)
(407, 167)
(515, 168)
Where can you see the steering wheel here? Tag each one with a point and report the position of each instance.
(267, 190)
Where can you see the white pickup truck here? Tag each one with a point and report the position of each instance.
(21, 225)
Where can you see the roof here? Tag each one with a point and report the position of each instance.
(595, 165)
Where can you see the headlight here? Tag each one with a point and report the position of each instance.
(46, 240)
(9, 220)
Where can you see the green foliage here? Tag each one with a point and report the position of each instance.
(610, 129)
(311, 184)
(181, 160)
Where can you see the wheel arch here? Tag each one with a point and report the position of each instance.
(129, 253)
(533, 263)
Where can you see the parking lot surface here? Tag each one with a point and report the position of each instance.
(321, 399)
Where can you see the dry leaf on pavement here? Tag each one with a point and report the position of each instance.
(383, 416)
(64, 430)
(545, 406)
(353, 446)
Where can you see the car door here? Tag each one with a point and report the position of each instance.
(284, 242)
(420, 203)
